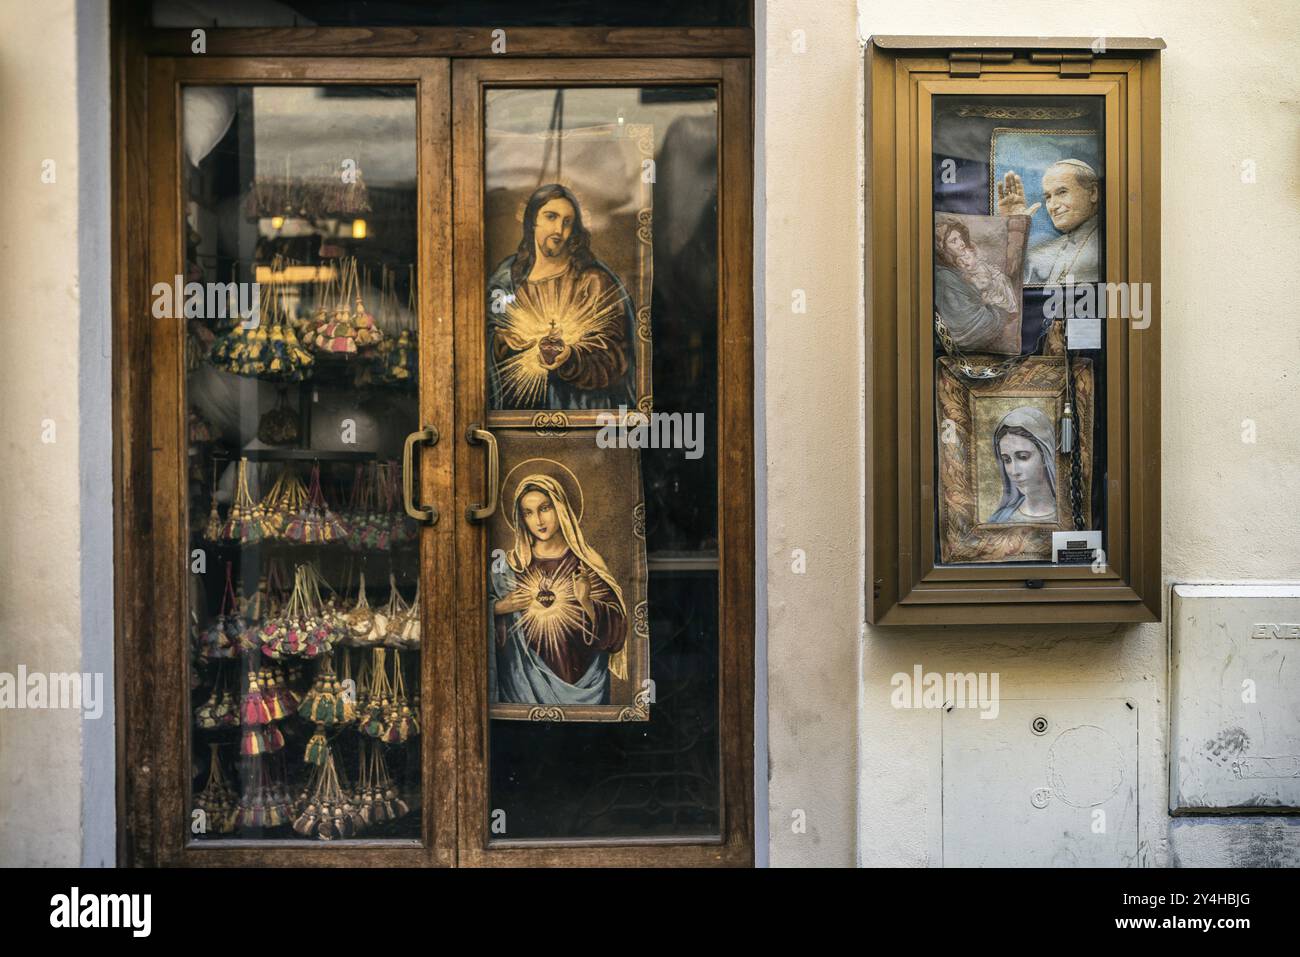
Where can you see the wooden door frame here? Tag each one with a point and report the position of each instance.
(731, 77)
(155, 764)
(148, 420)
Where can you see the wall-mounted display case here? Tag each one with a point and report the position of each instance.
(1013, 335)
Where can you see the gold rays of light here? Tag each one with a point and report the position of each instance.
(553, 612)
(551, 310)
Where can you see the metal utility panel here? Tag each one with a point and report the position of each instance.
(1047, 783)
(1235, 699)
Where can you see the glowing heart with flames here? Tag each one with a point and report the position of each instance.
(543, 320)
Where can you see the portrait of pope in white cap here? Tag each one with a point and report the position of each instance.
(1071, 192)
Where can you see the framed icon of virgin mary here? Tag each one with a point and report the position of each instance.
(569, 626)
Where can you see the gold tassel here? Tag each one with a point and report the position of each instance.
(618, 663)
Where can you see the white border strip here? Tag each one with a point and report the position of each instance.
(95, 427)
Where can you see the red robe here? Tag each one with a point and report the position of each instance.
(567, 639)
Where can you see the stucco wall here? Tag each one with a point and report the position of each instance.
(40, 542)
(1229, 349)
(57, 767)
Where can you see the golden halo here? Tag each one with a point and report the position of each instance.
(556, 470)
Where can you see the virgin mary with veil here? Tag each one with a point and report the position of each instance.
(1024, 446)
(559, 621)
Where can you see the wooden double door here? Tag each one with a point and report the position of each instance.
(445, 550)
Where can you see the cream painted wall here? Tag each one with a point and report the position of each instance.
(810, 74)
(40, 540)
(1231, 93)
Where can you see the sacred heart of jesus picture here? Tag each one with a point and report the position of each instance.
(570, 257)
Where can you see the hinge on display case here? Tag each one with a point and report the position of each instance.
(967, 62)
(1071, 64)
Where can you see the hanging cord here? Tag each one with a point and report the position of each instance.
(556, 139)
(1076, 467)
(228, 599)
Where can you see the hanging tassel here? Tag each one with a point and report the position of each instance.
(274, 705)
(316, 747)
(255, 710)
(1067, 429)
(403, 724)
(217, 800)
(273, 739)
(212, 532)
(205, 717)
(228, 711)
(305, 823)
(388, 802)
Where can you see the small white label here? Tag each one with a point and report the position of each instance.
(1075, 548)
(1083, 333)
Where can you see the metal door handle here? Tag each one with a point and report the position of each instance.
(475, 435)
(421, 513)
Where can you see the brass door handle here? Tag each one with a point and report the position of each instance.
(475, 435)
(421, 513)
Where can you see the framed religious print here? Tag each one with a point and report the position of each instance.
(1014, 341)
(568, 631)
(1005, 482)
(569, 232)
(1063, 197)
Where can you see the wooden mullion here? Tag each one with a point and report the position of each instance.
(437, 403)
(131, 477)
(736, 454)
(471, 713)
(168, 589)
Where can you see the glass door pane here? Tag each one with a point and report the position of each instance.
(299, 296)
(600, 212)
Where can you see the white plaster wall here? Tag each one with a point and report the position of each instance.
(1230, 349)
(811, 365)
(40, 541)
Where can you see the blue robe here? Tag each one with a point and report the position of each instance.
(518, 675)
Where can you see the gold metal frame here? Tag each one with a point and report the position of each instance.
(906, 584)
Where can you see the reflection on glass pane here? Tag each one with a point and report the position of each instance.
(637, 779)
(601, 310)
(300, 381)
(1019, 246)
